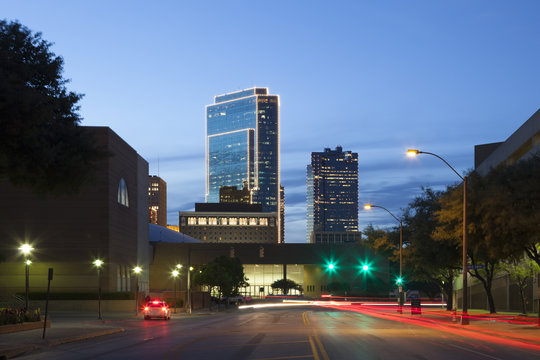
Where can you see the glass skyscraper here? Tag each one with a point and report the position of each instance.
(242, 145)
(332, 191)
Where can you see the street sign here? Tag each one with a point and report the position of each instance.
(480, 266)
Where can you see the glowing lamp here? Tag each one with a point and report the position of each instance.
(26, 249)
(367, 207)
(412, 152)
(365, 267)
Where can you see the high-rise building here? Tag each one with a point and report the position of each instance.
(332, 178)
(157, 192)
(242, 145)
(282, 213)
(231, 194)
(309, 202)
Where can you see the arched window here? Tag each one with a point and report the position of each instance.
(123, 193)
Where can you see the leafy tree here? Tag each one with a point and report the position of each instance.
(41, 145)
(285, 285)
(521, 270)
(435, 261)
(223, 273)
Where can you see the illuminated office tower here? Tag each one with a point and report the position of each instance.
(332, 188)
(242, 145)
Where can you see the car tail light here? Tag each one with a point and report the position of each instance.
(146, 308)
(164, 308)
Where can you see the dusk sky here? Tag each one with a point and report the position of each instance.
(376, 77)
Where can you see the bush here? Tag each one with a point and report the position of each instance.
(18, 316)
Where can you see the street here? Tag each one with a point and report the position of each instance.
(301, 332)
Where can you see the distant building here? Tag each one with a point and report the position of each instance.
(524, 142)
(230, 222)
(173, 228)
(333, 179)
(309, 202)
(281, 214)
(341, 237)
(231, 194)
(242, 145)
(106, 220)
(157, 192)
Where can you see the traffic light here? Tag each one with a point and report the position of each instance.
(365, 267)
(399, 281)
(330, 266)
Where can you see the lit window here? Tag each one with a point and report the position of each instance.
(263, 221)
(252, 221)
(232, 221)
(192, 220)
(243, 221)
(212, 221)
(202, 221)
(123, 193)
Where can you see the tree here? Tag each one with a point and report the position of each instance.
(41, 145)
(435, 261)
(521, 270)
(285, 285)
(224, 273)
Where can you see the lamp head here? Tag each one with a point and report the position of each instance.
(137, 269)
(367, 207)
(179, 266)
(28, 262)
(26, 249)
(97, 263)
(175, 273)
(412, 152)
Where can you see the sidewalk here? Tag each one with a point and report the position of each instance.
(72, 326)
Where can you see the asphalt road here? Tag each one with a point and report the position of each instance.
(286, 333)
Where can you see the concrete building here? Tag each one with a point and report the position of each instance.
(524, 142)
(157, 192)
(335, 237)
(107, 220)
(230, 222)
(306, 264)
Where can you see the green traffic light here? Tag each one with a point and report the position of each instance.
(331, 266)
(399, 280)
(365, 267)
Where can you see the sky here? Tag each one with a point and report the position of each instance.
(376, 77)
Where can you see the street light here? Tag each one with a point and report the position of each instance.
(368, 207)
(137, 270)
(26, 249)
(464, 313)
(175, 274)
(98, 263)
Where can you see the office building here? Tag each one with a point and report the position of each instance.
(231, 194)
(334, 178)
(230, 223)
(157, 193)
(242, 145)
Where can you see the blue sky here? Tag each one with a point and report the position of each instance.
(375, 77)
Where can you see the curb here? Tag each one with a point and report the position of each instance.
(13, 352)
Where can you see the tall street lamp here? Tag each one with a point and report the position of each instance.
(175, 274)
(98, 263)
(26, 249)
(464, 314)
(368, 207)
(137, 270)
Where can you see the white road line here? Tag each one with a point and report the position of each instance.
(475, 352)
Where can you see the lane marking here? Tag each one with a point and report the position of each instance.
(242, 345)
(475, 352)
(313, 349)
(321, 348)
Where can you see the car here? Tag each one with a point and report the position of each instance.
(157, 309)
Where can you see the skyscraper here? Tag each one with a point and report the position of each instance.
(242, 145)
(157, 192)
(332, 190)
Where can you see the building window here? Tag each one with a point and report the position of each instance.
(212, 221)
(252, 221)
(202, 221)
(232, 221)
(192, 220)
(123, 193)
(263, 221)
(243, 221)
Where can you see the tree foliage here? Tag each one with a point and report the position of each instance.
(285, 285)
(224, 273)
(41, 145)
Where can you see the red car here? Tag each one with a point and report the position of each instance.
(157, 309)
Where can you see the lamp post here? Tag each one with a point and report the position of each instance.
(464, 313)
(137, 270)
(175, 274)
(368, 207)
(98, 263)
(26, 249)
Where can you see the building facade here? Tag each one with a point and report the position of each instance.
(157, 193)
(333, 180)
(106, 220)
(242, 145)
(230, 223)
(231, 194)
(335, 237)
